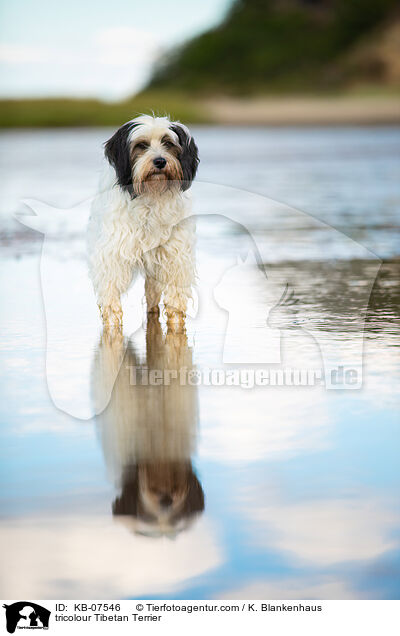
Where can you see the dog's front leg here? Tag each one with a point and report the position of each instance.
(111, 313)
(175, 302)
(153, 289)
(170, 269)
(175, 298)
(179, 290)
(111, 277)
(180, 259)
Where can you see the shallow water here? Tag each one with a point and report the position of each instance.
(278, 491)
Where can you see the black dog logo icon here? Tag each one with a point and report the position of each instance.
(26, 615)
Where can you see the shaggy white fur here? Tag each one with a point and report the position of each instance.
(141, 225)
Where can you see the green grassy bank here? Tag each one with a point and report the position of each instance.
(31, 113)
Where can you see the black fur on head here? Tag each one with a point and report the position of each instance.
(116, 150)
(189, 156)
(194, 502)
(127, 503)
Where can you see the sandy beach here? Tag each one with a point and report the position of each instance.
(304, 111)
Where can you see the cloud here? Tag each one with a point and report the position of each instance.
(125, 46)
(263, 426)
(293, 588)
(113, 63)
(326, 532)
(96, 557)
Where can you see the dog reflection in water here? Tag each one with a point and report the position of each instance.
(148, 432)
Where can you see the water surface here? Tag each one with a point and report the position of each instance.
(277, 491)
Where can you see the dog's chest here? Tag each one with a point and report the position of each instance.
(144, 226)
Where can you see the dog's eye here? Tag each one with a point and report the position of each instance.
(142, 145)
(169, 144)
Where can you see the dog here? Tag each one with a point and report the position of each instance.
(138, 220)
(148, 432)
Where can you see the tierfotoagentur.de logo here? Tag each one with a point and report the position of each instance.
(26, 615)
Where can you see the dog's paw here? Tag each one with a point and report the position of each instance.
(153, 311)
(175, 319)
(111, 315)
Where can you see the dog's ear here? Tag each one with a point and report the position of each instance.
(127, 503)
(189, 156)
(194, 502)
(116, 150)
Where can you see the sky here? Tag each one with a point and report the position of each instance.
(102, 48)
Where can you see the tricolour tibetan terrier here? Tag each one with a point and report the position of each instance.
(138, 218)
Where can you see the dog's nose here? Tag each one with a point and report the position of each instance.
(159, 162)
(165, 501)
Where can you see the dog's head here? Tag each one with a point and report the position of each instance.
(160, 498)
(152, 154)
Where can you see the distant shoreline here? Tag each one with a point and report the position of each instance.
(291, 110)
(305, 111)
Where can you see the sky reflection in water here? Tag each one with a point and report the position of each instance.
(300, 484)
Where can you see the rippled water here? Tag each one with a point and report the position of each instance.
(276, 491)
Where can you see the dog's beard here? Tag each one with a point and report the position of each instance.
(146, 179)
(156, 182)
